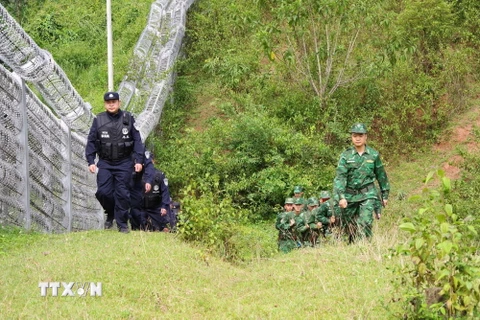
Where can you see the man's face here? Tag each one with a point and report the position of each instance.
(112, 106)
(298, 194)
(298, 207)
(359, 139)
(288, 207)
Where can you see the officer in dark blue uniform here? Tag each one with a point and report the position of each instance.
(174, 212)
(140, 184)
(113, 138)
(156, 203)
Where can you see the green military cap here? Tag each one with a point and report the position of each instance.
(297, 189)
(298, 201)
(324, 195)
(312, 201)
(289, 201)
(358, 128)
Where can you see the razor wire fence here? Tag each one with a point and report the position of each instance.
(45, 183)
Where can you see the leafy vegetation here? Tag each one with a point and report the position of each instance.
(442, 275)
(74, 32)
(280, 102)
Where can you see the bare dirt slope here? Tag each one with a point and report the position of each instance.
(464, 132)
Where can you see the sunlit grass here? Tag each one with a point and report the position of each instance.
(156, 275)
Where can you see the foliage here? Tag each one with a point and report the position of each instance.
(464, 196)
(257, 160)
(74, 32)
(441, 277)
(427, 27)
(208, 218)
(466, 19)
(316, 41)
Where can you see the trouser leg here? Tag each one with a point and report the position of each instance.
(122, 175)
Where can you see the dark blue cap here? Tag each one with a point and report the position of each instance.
(111, 96)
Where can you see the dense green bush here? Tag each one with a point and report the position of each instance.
(464, 195)
(441, 277)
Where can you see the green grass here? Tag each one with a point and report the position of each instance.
(157, 276)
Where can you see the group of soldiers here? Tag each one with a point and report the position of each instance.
(350, 212)
(305, 222)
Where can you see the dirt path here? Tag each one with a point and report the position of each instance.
(464, 133)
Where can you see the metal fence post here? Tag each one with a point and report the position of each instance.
(69, 180)
(25, 160)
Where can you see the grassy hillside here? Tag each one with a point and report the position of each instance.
(243, 127)
(157, 276)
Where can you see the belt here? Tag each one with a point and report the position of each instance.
(359, 191)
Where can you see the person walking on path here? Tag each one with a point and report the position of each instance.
(113, 138)
(358, 168)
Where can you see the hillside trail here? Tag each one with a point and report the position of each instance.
(462, 133)
(407, 178)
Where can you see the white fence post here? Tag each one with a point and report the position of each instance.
(25, 160)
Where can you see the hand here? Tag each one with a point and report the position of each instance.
(332, 219)
(148, 187)
(92, 168)
(138, 167)
(163, 211)
(385, 202)
(377, 216)
(343, 203)
(319, 225)
(292, 222)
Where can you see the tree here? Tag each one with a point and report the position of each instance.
(317, 41)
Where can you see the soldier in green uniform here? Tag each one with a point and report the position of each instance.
(358, 168)
(310, 237)
(309, 216)
(301, 226)
(284, 225)
(298, 193)
(327, 214)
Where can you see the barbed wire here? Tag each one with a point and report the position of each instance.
(45, 180)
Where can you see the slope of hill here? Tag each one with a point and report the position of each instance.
(157, 276)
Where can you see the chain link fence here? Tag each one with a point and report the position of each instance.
(45, 183)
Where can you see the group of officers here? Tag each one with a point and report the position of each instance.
(129, 187)
(349, 213)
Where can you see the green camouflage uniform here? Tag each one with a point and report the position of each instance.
(355, 182)
(302, 230)
(299, 189)
(323, 214)
(309, 215)
(286, 233)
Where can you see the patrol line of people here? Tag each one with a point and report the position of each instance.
(352, 209)
(129, 187)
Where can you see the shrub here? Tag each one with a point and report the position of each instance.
(441, 277)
